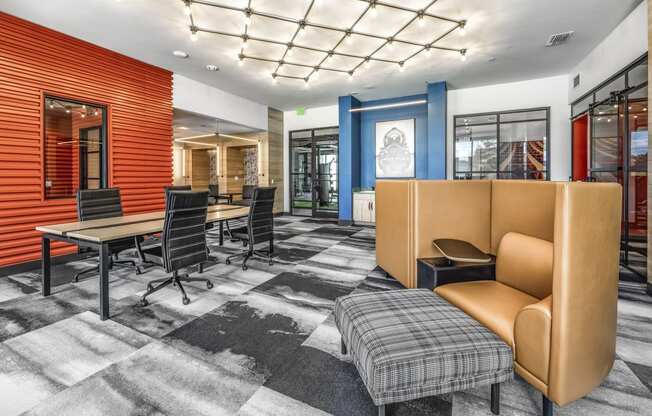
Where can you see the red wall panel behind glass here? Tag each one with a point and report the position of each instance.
(580, 148)
(35, 61)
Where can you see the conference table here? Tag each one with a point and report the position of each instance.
(97, 234)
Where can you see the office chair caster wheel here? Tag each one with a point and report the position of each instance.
(209, 285)
(270, 262)
(144, 302)
(185, 301)
(227, 261)
(244, 267)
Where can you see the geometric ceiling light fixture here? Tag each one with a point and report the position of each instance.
(386, 52)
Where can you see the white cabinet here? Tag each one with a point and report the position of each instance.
(364, 207)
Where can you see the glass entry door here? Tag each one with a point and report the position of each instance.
(314, 166)
(618, 153)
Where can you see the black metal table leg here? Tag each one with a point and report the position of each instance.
(104, 281)
(221, 233)
(495, 398)
(45, 266)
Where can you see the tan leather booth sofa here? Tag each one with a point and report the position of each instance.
(557, 246)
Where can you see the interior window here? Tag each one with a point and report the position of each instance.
(75, 136)
(506, 145)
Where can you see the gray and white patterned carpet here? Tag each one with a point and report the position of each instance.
(261, 342)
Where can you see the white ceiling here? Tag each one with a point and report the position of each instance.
(505, 38)
(187, 124)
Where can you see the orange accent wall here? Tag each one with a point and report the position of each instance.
(35, 61)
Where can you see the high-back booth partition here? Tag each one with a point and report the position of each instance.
(555, 291)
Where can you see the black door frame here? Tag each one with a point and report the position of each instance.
(621, 99)
(83, 157)
(314, 180)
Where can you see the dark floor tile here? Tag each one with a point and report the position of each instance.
(27, 313)
(320, 221)
(377, 282)
(11, 288)
(259, 333)
(305, 290)
(155, 320)
(627, 275)
(282, 221)
(643, 372)
(334, 386)
(293, 253)
(333, 231)
(281, 234)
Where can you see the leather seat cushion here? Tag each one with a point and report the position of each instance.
(525, 263)
(491, 303)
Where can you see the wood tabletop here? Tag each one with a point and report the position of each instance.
(115, 228)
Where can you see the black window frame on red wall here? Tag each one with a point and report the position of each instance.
(104, 157)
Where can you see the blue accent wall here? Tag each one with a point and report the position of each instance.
(437, 130)
(349, 155)
(368, 135)
(357, 151)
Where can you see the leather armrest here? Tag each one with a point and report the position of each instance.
(532, 329)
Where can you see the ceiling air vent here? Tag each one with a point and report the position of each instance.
(559, 38)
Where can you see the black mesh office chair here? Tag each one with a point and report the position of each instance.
(214, 195)
(139, 248)
(95, 204)
(176, 188)
(183, 241)
(247, 195)
(259, 229)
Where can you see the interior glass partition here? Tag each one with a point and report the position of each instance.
(618, 152)
(314, 167)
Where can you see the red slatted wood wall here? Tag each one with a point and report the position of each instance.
(35, 61)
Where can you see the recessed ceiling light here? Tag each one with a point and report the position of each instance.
(212, 67)
(182, 128)
(181, 54)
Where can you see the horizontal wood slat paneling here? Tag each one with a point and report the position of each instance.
(36, 61)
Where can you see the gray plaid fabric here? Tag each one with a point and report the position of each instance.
(408, 344)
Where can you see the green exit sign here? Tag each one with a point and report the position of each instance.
(301, 111)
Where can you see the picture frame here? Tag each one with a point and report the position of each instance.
(395, 149)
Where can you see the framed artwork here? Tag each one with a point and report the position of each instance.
(395, 149)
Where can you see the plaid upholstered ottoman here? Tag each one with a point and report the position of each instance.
(408, 344)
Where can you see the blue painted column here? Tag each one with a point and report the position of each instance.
(349, 155)
(437, 99)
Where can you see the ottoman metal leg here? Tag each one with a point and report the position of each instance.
(547, 406)
(495, 398)
(381, 410)
(343, 346)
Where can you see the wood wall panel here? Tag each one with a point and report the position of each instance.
(35, 61)
(275, 156)
(200, 168)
